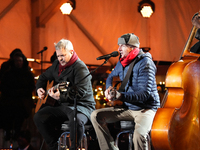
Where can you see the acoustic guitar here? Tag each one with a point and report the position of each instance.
(63, 86)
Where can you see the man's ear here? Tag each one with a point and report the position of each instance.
(71, 51)
(132, 48)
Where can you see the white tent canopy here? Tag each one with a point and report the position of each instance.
(94, 27)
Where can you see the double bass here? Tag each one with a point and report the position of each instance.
(176, 125)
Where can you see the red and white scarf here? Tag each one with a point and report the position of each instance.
(129, 58)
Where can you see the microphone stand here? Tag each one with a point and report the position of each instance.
(41, 52)
(42, 62)
(74, 87)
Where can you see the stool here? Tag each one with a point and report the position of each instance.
(128, 127)
(64, 141)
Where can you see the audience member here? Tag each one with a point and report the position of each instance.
(7, 64)
(16, 95)
(53, 57)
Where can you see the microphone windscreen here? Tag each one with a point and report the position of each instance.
(115, 54)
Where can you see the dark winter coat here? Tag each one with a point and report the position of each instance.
(72, 74)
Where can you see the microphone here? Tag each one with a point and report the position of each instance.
(113, 54)
(44, 49)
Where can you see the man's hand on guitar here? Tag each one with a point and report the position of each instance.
(196, 21)
(108, 93)
(41, 93)
(113, 96)
(54, 93)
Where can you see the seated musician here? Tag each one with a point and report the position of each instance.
(68, 67)
(196, 22)
(140, 96)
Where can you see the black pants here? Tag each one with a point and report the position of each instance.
(49, 119)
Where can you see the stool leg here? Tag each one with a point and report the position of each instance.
(84, 142)
(62, 141)
(130, 139)
(63, 144)
(117, 138)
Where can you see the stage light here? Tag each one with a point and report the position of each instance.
(146, 8)
(67, 7)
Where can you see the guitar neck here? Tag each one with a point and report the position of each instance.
(61, 86)
(55, 87)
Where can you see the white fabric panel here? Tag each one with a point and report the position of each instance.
(166, 32)
(15, 29)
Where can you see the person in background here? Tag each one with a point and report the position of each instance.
(196, 22)
(17, 85)
(67, 67)
(7, 64)
(53, 57)
(139, 99)
(24, 141)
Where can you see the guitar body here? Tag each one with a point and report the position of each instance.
(48, 100)
(39, 104)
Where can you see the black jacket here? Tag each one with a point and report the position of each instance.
(72, 74)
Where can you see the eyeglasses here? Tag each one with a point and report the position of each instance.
(61, 56)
